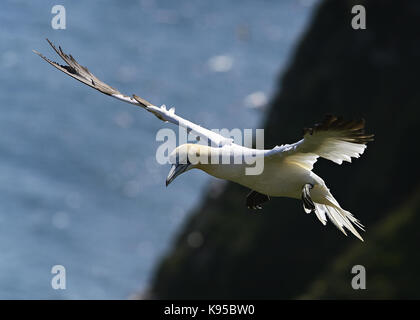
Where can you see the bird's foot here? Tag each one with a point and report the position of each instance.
(254, 200)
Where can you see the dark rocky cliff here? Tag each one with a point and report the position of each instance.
(281, 252)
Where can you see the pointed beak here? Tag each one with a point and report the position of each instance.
(175, 171)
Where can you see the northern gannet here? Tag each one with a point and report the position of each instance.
(287, 168)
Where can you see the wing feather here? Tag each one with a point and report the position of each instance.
(82, 74)
(334, 139)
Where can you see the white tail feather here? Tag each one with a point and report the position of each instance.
(339, 217)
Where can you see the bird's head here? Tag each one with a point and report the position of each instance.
(186, 157)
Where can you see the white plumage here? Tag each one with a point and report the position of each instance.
(287, 168)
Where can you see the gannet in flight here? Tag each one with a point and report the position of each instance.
(287, 168)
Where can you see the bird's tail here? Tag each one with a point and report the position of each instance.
(342, 219)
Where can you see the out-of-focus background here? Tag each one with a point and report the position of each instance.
(79, 183)
(80, 186)
(284, 253)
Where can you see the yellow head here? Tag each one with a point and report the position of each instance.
(186, 157)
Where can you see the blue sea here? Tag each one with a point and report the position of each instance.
(79, 183)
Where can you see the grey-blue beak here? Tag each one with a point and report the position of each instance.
(175, 171)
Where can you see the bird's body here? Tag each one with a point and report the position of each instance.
(278, 179)
(287, 169)
(282, 176)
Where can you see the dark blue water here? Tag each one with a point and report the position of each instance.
(79, 183)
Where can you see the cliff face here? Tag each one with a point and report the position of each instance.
(280, 252)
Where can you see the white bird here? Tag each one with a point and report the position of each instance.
(287, 169)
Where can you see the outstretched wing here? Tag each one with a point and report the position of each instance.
(334, 139)
(77, 71)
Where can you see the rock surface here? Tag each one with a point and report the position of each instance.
(227, 251)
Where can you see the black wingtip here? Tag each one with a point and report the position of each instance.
(354, 129)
